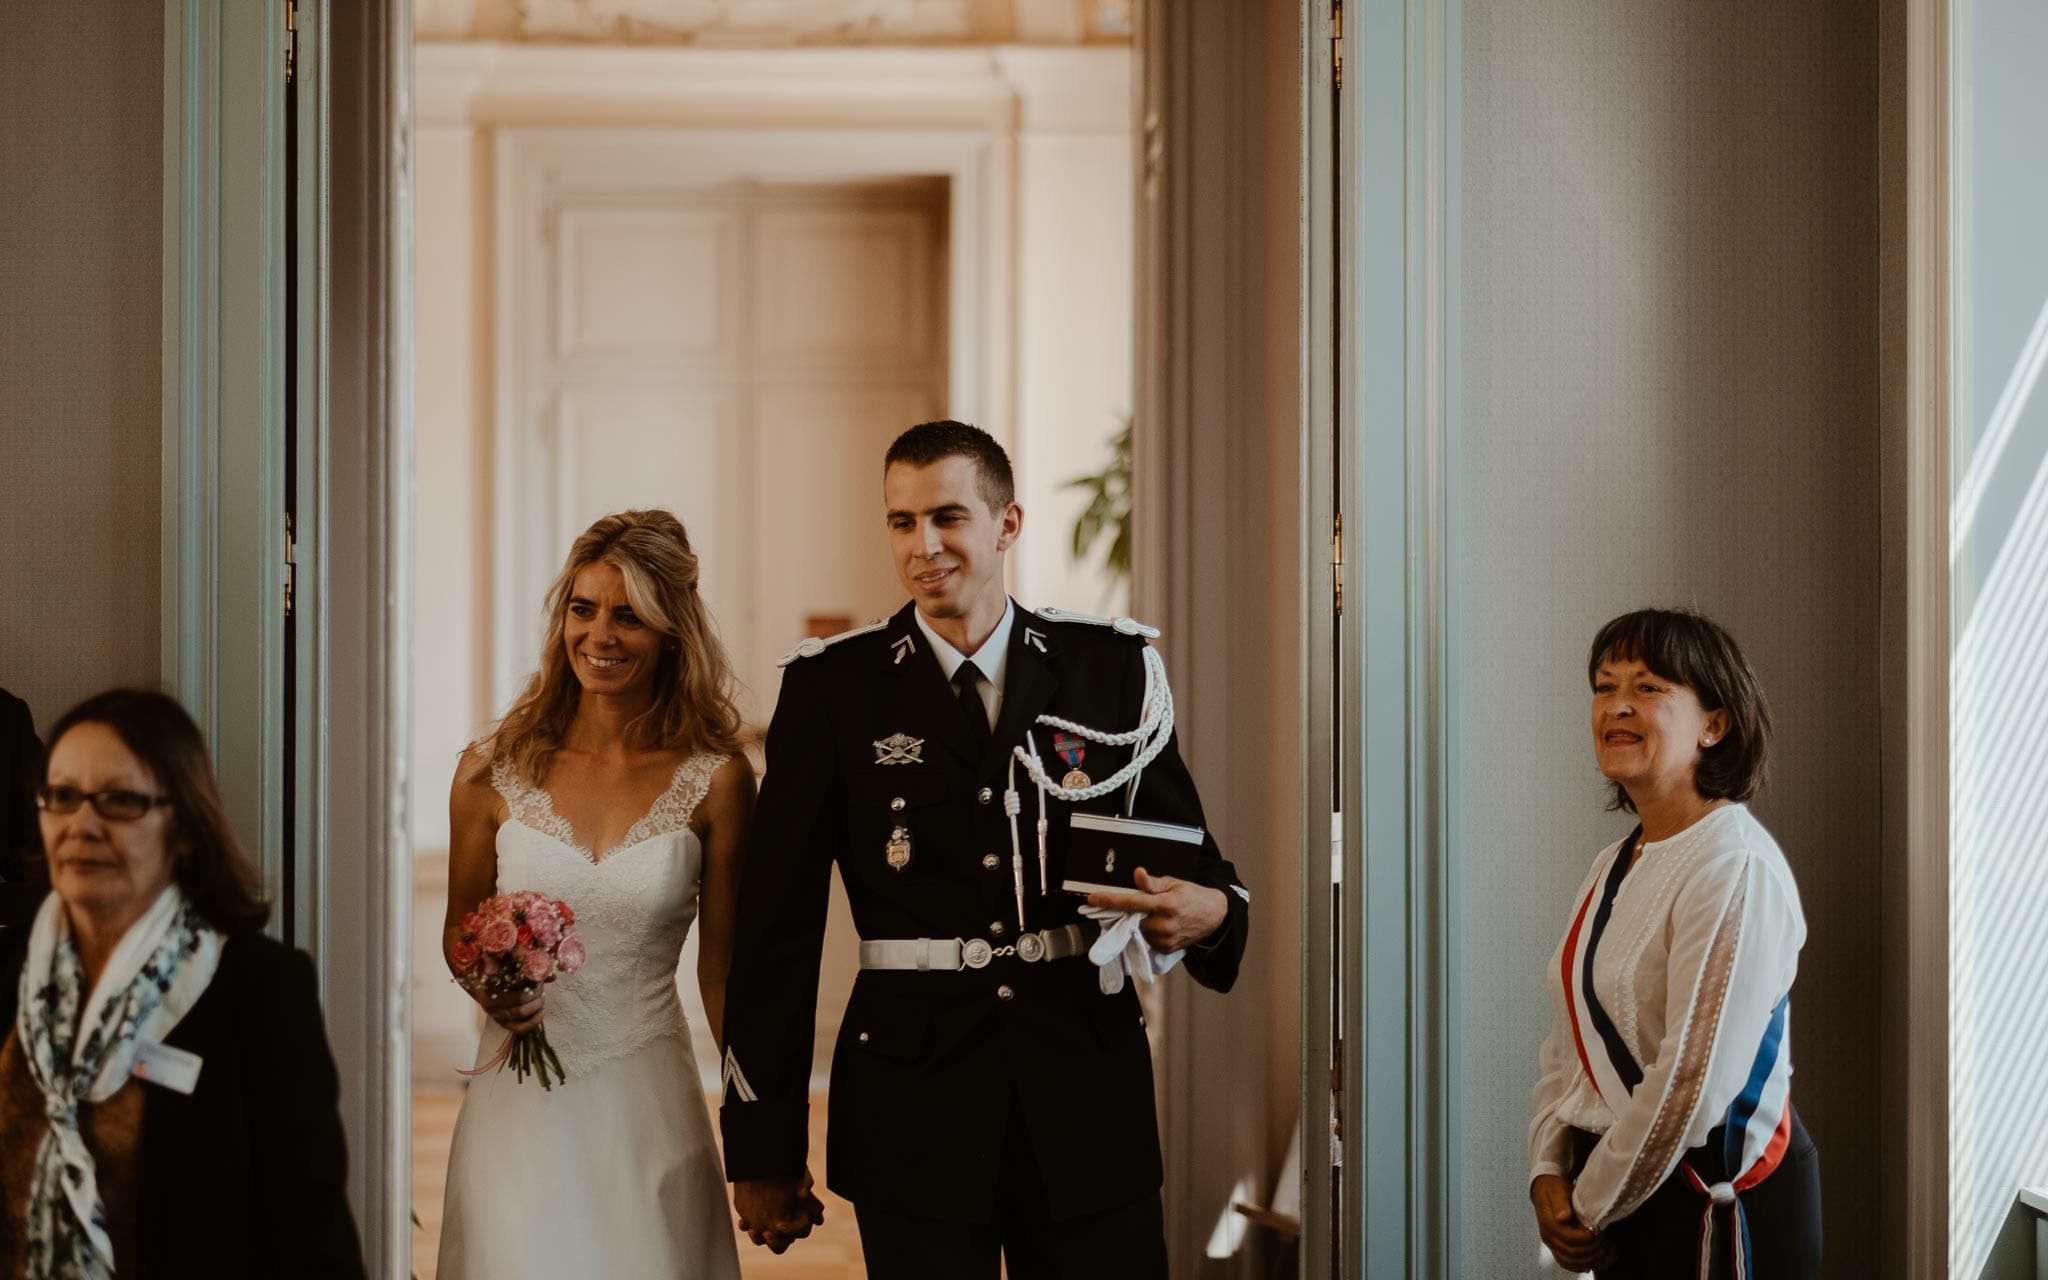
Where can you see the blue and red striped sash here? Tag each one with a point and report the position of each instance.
(1757, 1127)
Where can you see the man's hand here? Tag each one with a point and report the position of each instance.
(1178, 913)
(777, 1212)
(1574, 1247)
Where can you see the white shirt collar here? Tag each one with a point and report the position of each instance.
(993, 657)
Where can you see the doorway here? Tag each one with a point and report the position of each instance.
(760, 291)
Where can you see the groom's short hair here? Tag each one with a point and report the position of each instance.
(930, 442)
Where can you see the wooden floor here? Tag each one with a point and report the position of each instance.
(831, 1253)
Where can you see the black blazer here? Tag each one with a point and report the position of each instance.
(21, 770)
(927, 1064)
(246, 1177)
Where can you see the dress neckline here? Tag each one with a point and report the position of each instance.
(559, 829)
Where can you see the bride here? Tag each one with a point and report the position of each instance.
(615, 783)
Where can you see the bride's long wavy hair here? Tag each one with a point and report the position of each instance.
(693, 708)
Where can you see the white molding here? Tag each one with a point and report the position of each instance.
(784, 114)
(1068, 90)
(1929, 405)
(995, 89)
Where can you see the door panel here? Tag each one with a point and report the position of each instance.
(636, 283)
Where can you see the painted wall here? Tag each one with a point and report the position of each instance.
(1670, 263)
(1073, 349)
(1998, 1125)
(81, 350)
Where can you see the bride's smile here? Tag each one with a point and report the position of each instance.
(613, 650)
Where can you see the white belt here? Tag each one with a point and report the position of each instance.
(945, 954)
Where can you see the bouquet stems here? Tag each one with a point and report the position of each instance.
(533, 1055)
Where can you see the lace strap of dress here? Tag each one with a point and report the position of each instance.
(527, 805)
(674, 808)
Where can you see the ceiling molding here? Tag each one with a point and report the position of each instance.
(778, 23)
(1000, 89)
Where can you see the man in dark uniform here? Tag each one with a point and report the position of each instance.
(988, 1098)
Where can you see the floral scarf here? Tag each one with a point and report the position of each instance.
(157, 972)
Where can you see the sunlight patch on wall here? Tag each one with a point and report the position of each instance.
(1998, 922)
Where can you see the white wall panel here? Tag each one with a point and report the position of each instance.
(638, 282)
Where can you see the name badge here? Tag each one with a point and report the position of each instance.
(174, 1069)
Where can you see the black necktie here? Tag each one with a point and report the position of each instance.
(967, 684)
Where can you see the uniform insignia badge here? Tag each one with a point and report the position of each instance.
(904, 647)
(1072, 750)
(1036, 639)
(899, 748)
(897, 851)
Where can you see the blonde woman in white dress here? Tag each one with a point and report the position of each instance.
(615, 783)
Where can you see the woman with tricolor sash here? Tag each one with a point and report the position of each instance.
(1664, 1141)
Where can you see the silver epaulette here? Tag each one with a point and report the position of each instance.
(812, 646)
(1128, 626)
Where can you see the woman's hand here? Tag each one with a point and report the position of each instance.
(1574, 1247)
(516, 1011)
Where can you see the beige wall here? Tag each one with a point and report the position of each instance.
(1670, 261)
(81, 306)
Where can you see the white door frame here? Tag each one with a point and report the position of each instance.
(537, 165)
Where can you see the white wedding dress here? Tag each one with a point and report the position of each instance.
(614, 1172)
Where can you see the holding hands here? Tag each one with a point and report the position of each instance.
(777, 1212)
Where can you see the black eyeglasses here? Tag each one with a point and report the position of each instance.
(114, 806)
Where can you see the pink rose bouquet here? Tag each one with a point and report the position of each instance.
(518, 942)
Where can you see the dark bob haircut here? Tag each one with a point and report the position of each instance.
(1695, 651)
(930, 442)
(207, 856)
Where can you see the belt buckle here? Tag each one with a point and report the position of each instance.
(1030, 947)
(975, 953)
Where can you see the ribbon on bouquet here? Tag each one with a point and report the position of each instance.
(496, 1060)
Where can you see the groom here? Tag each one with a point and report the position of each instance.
(987, 1098)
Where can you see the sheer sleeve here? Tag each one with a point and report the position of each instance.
(1550, 1147)
(1735, 937)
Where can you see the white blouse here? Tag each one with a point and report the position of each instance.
(1701, 945)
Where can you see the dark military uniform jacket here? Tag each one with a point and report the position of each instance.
(928, 1063)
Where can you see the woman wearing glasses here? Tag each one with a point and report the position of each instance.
(166, 1091)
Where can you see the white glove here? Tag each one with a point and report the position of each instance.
(1123, 949)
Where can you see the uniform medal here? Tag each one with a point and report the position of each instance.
(1072, 750)
(897, 851)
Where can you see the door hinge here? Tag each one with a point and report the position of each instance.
(1337, 44)
(291, 565)
(291, 37)
(1337, 564)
